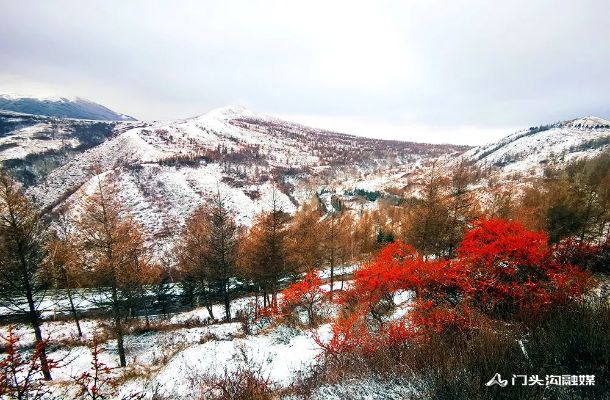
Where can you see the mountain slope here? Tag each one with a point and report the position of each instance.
(167, 169)
(63, 107)
(31, 146)
(532, 149)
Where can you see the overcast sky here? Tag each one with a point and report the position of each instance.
(433, 71)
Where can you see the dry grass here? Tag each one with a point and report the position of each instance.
(246, 381)
(574, 340)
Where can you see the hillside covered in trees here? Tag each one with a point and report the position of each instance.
(414, 292)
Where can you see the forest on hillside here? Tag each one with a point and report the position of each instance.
(435, 294)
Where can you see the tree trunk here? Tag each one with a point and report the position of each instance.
(118, 327)
(274, 296)
(74, 313)
(332, 276)
(256, 303)
(35, 321)
(227, 299)
(208, 302)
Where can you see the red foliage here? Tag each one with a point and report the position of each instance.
(271, 311)
(384, 275)
(308, 291)
(305, 295)
(100, 381)
(502, 268)
(21, 377)
(429, 319)
(350, 335)
(506, 268)
(399, 267)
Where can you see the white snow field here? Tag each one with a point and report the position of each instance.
(179, 352)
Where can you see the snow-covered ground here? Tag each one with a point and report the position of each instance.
(175, 357)
(530, 150)
(176, 354)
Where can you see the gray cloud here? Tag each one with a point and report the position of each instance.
(441, 71)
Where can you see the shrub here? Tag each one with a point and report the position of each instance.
(246, 382)
(21, 375)
(306, 295)
(100, 382)
(503, 270)
(506, 268)
(594, 257)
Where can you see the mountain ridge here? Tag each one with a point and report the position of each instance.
(59, 106)
(534, 148)
(166, 169)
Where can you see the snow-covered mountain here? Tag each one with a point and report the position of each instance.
(63, 107)
(167, 169)
(31, 146)
(531, 150)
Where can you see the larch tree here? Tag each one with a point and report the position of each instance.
(193, 257)
(580, 200)
(112, 251)
(502, 203)
(61, 263)
(462, 204)
(303, 241)
(335, 245)
(363, 235)
(222, 248)
(207, 251)
(264, 258)
(21, 255)
(429, 219)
